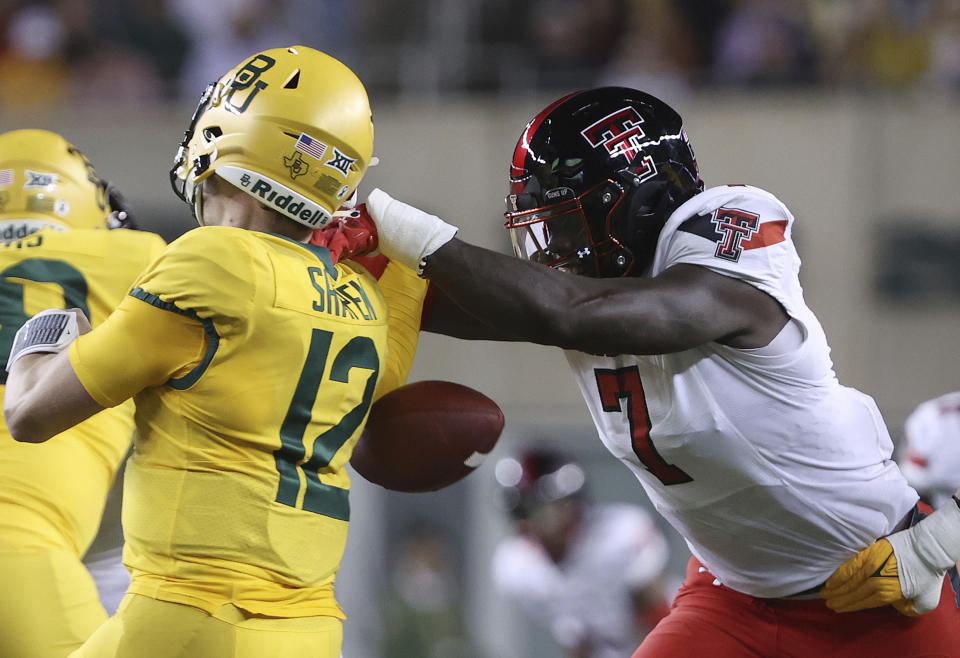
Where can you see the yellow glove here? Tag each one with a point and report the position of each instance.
(869, 579)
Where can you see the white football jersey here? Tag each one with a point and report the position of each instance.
(930, 455)
(772, 471)
(617, 549)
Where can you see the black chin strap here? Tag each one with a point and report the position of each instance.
(650, 206)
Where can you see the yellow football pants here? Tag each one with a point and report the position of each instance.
(144, 627)
(48, 604)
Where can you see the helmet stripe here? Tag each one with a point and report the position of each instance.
(520, 153)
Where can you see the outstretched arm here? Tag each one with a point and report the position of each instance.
(353, 236)
(683, 307)
(447, 317)
(905, 569)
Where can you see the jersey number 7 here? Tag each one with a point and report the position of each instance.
(624, 384)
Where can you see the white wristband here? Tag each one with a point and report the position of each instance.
(406, 234)
(937, 537)
(47, 331)
(925, 552)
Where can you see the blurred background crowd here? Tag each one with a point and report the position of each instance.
(136, 51)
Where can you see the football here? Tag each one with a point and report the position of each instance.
(426, 435)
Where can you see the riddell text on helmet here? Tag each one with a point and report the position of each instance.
(263, 189)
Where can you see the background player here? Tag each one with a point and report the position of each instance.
(54, 216)
(930, 453)
(254, 361)
(703, 369)
(593, 575)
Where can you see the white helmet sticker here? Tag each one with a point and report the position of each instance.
(279, 197)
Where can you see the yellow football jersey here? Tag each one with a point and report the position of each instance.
(53, 493)
(236, 491)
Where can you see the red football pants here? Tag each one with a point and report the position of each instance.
(714, 621)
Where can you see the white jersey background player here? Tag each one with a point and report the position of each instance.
(593, 575)
(705, 372)
(930, 453)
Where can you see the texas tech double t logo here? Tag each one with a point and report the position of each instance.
(734, 226)
(620, 134)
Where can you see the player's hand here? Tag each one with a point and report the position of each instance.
(406, 234)
(869, 579)
(905, 570)
(121, 215)
(351, 234)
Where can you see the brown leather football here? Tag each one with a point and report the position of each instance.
(427, 435)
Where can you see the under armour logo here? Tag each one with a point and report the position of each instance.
(734, 226)
(340, 162)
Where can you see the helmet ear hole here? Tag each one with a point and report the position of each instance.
(293, 81)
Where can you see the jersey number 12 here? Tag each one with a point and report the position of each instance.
(319, 497)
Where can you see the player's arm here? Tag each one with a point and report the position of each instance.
(353, 236)
(445, 316)
(905, 569)
(43, 395)
(404, 293)
(139, 345)
(683, 307)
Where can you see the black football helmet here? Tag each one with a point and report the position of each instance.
(537, 477)
(594, 177)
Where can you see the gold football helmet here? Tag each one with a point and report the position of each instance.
(45, 181)
(289, 126)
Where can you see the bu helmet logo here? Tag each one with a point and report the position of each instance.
(248, 75)
(619, 132)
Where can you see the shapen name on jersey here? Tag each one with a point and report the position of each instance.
(347, 300)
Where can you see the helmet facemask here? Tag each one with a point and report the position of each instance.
(572, 233)
(184, 175)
